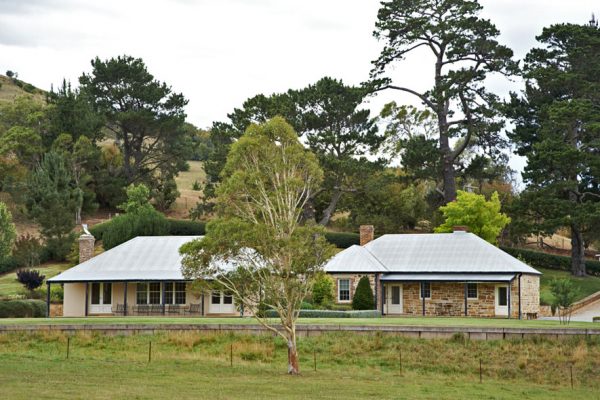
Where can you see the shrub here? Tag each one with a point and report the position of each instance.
(147, 222)
(98, 230)
(537, 259)
(28, 251)
(363, 297)
(30, 278)
(330, 314)
(58, 248)
(186, 227)
(8, 264)
(343, 240)
(322, 291)
(306, 306)
(57, 293)
(22, 309)
(196, 186)
(565, 293)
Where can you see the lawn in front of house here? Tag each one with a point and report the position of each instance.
(586, 286)
(400, 321)
(9, 286)
(349, 366)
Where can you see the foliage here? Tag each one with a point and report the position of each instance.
(8, 264)
(331, 314)
(22, 309)
(557, 123)
(52, 201)
(342, 240)
(186, 227)
(144, 114)
(565, 293)
(363, 298)
(274, 258)
(7, 232)
(465, 51)
(138, 199)
(323, 290)
(146, 222)
(27, 251)
(30, 278)
(538, 259)
(483, 217)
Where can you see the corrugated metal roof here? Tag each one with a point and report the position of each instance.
(449, 277)
(141, 258)
(430, 253)
(354, 259)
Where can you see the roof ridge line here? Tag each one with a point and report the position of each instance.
(376, 259)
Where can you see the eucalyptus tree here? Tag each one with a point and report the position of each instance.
(464, 51)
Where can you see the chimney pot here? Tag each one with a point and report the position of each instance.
(460, 228)
(86, 247)
(367, 233)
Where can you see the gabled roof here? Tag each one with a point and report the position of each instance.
(458, 252)
(141, 258)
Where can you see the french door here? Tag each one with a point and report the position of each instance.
(501, 300)
(221, 303)
(394, 299)
(100, 298)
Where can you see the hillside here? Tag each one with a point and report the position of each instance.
(12, 88)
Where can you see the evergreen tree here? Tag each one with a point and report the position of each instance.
(8, 232)
(363, 296)
(557, 126)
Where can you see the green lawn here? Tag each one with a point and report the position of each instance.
(193, 365)
(587, 285)
(408, 321)
(10, 287)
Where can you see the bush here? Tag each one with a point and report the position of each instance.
(30, 278)
(343, 240)
(307, 306)
(186, 227)
(57, 248)
(322, 291)
(28, 251)
(363, 297)
(537, 259)
(57, 294)
(98, 230)
(128, 226)
(330, 314)
(8, 264)
(22, 309)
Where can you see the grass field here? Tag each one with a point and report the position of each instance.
(9, 285)
(192, 365)
(185, 184)
(402, 321)
(587, 285)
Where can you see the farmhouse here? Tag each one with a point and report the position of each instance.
(446, 274)
(139, 277)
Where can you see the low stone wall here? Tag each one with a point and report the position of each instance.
(422, 332)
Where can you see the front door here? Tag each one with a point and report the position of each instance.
(502, 300)
(221, 303)
(394, 299)
(100, 299)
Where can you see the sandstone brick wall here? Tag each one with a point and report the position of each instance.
(530, 295)
(354, 278)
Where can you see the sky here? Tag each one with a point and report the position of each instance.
(220, 52)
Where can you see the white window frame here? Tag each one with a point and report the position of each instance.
(171, 295)
(339, 290)
(147, 292)
(421, 290)
(476, 291)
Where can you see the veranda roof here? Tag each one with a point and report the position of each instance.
(144, 258)
(448, 277)
(458, 252)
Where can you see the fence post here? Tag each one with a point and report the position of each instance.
(480, 371)
(68, 345)
(400, 351)
(150, 351)
(231, 355)
(315, 359)
(571, 368)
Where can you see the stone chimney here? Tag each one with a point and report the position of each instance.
(367, 233)
(86, 247)
(460, 228)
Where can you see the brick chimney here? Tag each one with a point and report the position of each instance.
(460, 228)
(86, 247)
(367, 233)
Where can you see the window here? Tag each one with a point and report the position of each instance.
(343, 289)
(425, 290)
(216, 297)
(141, 295)
(180, 292)
(395, 295)
(95, 293)
(471, 290)
(227, 298)
(154, 293)
(502, 296)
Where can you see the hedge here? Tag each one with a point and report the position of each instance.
(343, 240)
(330, 314)
(179, 227)
(22, 308)
(8, 264)
(537, 259)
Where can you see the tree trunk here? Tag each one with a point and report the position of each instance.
(447, 162)
(328, 213)
(293, 361)
(577, 252)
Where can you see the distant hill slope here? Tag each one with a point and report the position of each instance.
(11, 88)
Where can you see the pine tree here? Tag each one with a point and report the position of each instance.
(363, 296)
